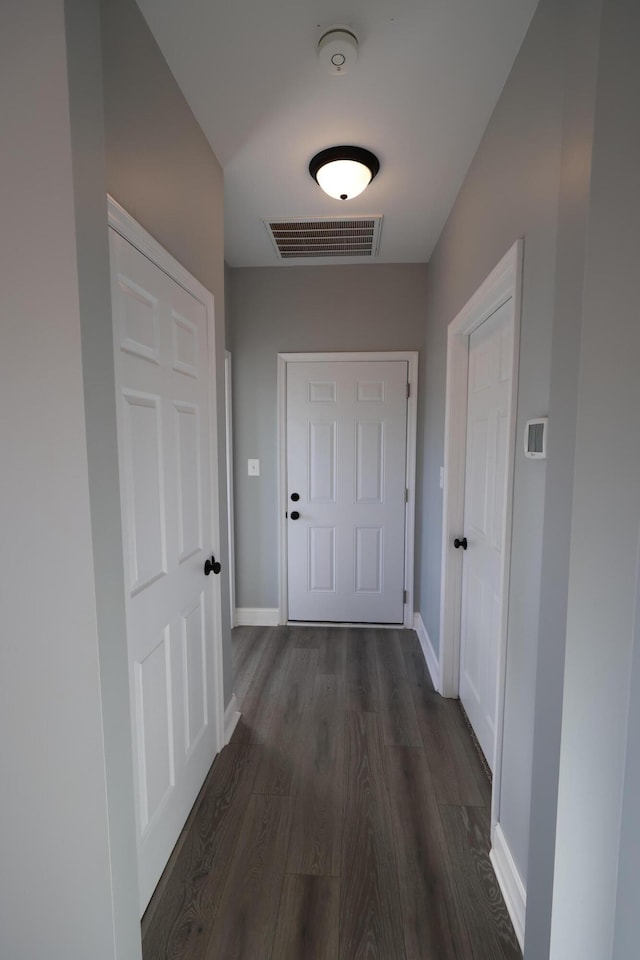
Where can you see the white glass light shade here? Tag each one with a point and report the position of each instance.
(343, 179)
(344, 171)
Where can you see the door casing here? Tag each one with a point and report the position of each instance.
(411, 357)
(504, 283)
(228, 393)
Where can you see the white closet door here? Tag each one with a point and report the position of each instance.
(488, 399)
(163, 395)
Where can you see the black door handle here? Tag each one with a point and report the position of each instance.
(295, 497)
(295, 515)
(460, 543)
(212, 566)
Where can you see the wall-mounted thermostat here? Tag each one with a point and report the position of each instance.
(535, 438)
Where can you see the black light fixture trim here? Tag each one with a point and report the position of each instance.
(344, 152)
(338, 30)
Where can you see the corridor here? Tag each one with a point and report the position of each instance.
(348, 818)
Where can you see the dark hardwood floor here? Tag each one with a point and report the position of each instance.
(348, 819)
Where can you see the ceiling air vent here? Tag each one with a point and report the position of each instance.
(345, 237)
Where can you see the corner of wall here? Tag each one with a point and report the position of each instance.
(430, 656)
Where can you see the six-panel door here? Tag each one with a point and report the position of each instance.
(488, 399)
(162, 385)
(346, 461)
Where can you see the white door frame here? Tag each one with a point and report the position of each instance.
(504, 283)
(411, 358)
(228, 394)
(128, 228)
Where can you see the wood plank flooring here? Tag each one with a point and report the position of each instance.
(347, 820)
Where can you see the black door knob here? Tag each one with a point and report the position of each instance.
(460, 543)
(295, 497)
(211, 565)
(294, 515)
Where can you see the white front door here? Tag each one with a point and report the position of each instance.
(346, 477)
(169, 529)
(488, 403)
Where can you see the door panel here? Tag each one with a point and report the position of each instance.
(322, 559)
(488, 399)
(368, 558)
(153, 708)
(163, 396)
(188, 466)
(145, 488)
(346, 457)
(194, 666)
(370, 462)
(322, 462)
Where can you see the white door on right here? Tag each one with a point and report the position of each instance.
(488, 402)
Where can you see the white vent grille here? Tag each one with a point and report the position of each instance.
(346, 237)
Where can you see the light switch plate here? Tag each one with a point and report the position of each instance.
(253, 468)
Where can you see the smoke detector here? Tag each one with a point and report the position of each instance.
(338, 49)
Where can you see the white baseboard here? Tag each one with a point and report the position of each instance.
(510, 882)
(427, 649)
(257, 616)
(231, 717)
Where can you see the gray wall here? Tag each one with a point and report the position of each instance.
(597, 748)
(68, 886)
(162, 170)
(89, 184)
(55, 874)
(571, 190)
(298, 309)
(580, 35)
(511, 191)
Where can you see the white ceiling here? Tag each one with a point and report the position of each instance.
(428, 76)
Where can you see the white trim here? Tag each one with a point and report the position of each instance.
(231, 717)
(428, 652)
(257, 616)
(510, 882)
(281, 441)
(228, 396)
(331, 624)
(408, 355)
(503, 284)
(124, 224)
(128, 228)
(411, 358)
(517, 254)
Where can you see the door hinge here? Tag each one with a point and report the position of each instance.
(406, 495)
(404, 596)
(408, 390)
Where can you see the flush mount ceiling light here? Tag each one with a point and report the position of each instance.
(343, 172)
